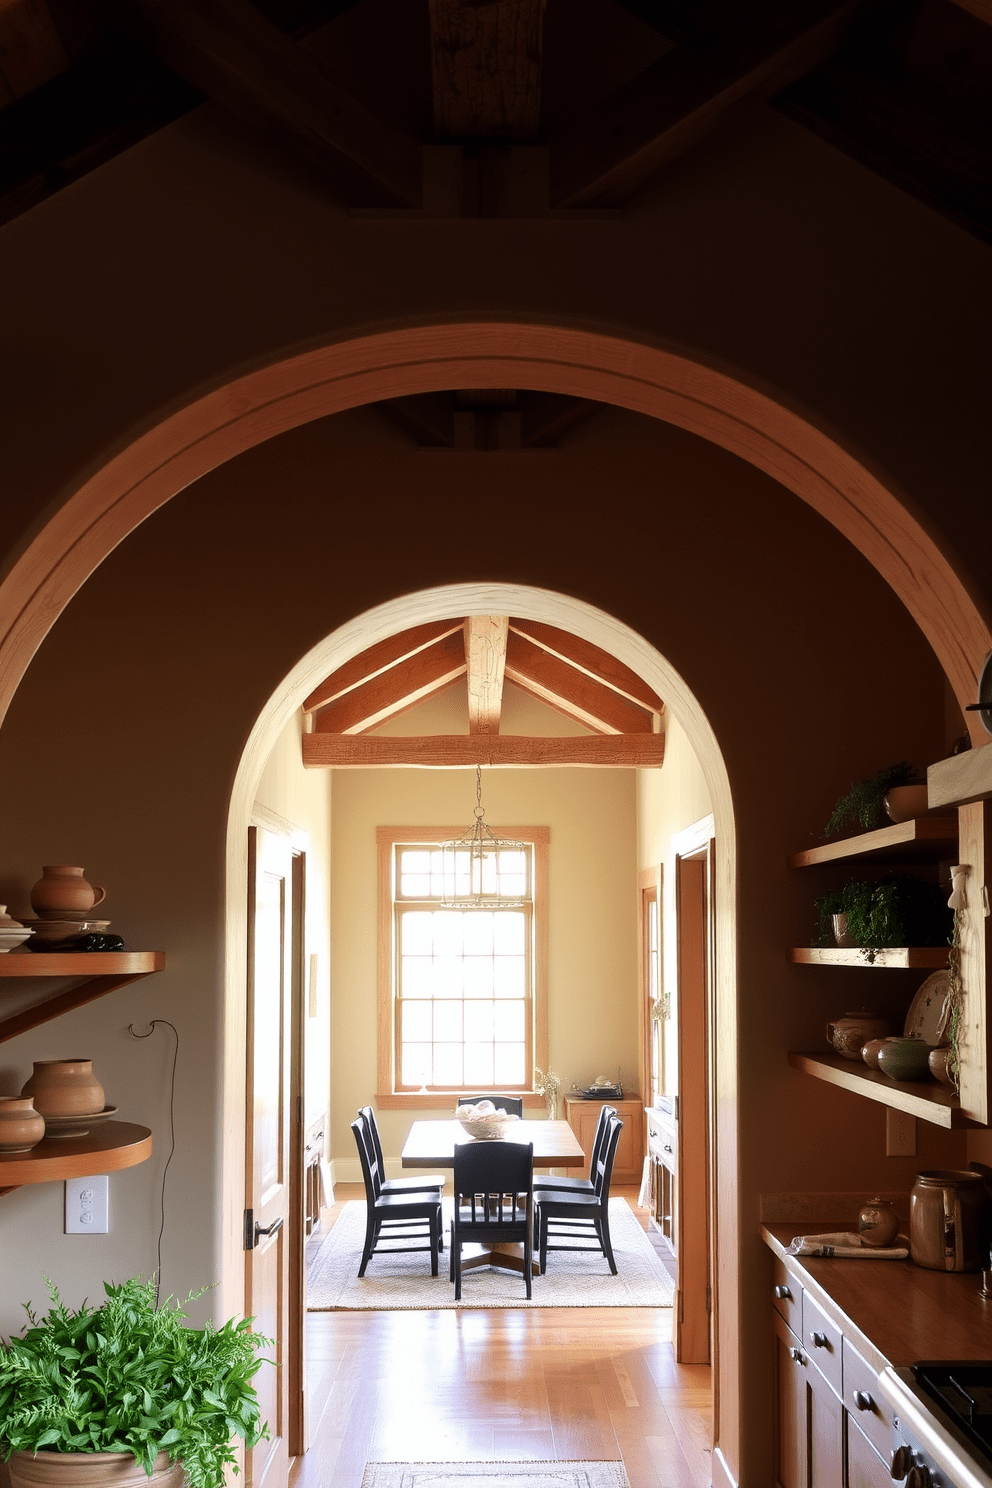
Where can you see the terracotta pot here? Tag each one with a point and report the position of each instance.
(62, 888)
(878, 1223)
(21, 1126)
(871, 1051)
(938, 1062)
(904, 1059)
(90, 1470)
(906, 802)
(65, 1087)
(848, 1035)
(945, 1220)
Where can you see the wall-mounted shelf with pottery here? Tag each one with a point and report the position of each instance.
(105, 1149)
(921, 841)
(931, 1102)
(92, 974)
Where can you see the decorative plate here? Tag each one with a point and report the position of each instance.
(77, 1126)
(930, 1009)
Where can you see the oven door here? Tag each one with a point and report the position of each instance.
(925, 1438)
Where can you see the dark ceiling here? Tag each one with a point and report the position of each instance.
(501, 107)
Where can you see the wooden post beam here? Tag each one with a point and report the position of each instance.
(465, 751)
(377, 659)
(229, 50)
(394, 691)
(485, 657)
(573, 692)
(682, 96)
(486, 68)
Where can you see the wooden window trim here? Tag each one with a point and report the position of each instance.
(387, 1098)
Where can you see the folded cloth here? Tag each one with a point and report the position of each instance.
(846, 1245)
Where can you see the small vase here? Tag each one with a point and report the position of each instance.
(871, 1051)
(939, 1060)
(841, 937)
(878, 1223)
(906, 802)
(21, 1126)
(65, 1087)
(904, 1059)
(62, 889)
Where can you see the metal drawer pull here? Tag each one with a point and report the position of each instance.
(820, 1340)
(863, 1400)
(667, 1147)
(797, 1354)
(782, 1292)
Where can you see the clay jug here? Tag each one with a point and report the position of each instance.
(878, 1223)
(945, 1220)
(65, 1087)
(21, 1126)
(848, 1035)
(62, 889)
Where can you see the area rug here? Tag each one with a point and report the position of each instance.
(573, 1279)
(495, 1475)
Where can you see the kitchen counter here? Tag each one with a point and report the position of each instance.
(896, 1313)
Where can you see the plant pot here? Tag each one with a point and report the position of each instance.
(871, 1051)
(906, 802)
(21, 1126)
(938, 1061)
(904, 1059)
(90, 1470)
(65, 1087)
(841, 937)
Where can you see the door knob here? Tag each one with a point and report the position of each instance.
(272, 1229)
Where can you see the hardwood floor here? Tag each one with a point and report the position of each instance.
(596, 1383)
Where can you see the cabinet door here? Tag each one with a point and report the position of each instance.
(790, 1409)
(824, 1432)
(865, 1469)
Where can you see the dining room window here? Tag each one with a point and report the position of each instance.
(462, 988)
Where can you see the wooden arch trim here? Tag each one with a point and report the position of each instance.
(233, 418)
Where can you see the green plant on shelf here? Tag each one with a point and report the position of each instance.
(130, 1376)
(894, 911)
(864, 803)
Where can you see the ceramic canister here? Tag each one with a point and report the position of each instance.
(21, 1126)
(62, 887)
(904, 1059)
(878, 1223)
(65, 1087)
(848, 1035)
(946, 1210)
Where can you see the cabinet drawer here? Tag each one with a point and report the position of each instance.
(865, 1469)
(822, 1340)
(662, 1141)
(864, 1401)
(787, 1296)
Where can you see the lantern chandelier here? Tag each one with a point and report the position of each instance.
(482, 870)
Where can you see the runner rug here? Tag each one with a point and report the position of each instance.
(573, 1279)
(495, 1475)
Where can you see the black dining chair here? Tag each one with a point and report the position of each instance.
(395, 1216)
(494, 1201)
(546, 1181)
(513, 1105)
(561, 1217)
(416, 1183)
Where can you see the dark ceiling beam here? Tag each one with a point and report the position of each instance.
(229, 50)
(682, 97)
(486, 68)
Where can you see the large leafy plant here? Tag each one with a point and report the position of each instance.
(894, 911)
(864, 803)
(130, 1376)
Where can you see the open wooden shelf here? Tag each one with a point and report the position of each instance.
(922, 957)
(94, 974)
(107, 1149)
(926, 1099)
(904, 842)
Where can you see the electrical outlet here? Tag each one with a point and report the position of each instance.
(87, 1205)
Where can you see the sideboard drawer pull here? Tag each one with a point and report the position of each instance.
(782, 1292)
(819, 1340)
(863, 1400)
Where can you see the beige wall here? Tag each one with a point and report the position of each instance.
(668, 801)
(592, 932)
(302, 798)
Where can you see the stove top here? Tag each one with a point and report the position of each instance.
(964, 1391)
(943, 1421)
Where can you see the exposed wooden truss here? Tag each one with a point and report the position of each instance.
(579, 680)
(902, 89)
(465, 751)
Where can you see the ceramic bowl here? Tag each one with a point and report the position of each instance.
(77, 1126)
(906, 802)
(11, 938)
(904, 1059)
(489, 1128)
(871, 1051)
(53, 932)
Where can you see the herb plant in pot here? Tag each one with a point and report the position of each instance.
(895, 911)
(126, 1391)
(863, 807)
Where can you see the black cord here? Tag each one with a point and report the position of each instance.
(172, 1136)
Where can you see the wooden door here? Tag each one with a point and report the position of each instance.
(692, 1298)
(268, 1139)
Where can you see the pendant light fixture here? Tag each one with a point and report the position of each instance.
(482, 870)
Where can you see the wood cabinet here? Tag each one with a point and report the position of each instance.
(582, 1116)
(77, 978)
(662, 1151)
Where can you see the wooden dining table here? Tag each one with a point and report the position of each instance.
(431, 1144)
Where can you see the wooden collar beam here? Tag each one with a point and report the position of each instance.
(465, 751)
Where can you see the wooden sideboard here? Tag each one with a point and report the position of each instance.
(582, 1116)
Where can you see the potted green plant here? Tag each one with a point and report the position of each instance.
(864, 803)
(110, 1394)
(893, 911)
